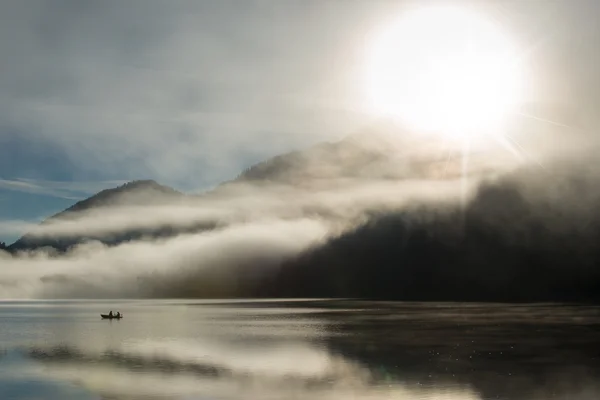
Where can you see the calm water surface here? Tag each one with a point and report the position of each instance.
(298, 350)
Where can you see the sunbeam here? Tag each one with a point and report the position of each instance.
(548, 121)
(466, 150)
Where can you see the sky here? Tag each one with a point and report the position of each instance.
(93, 94)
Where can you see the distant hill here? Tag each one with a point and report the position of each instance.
(141, 192)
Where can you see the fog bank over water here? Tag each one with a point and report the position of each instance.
(217, 261)
(523, 232)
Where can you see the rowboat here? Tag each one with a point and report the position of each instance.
(106, 316)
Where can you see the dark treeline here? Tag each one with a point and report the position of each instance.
(62, 244)
(517, 240)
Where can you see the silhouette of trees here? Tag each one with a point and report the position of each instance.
(501, 247)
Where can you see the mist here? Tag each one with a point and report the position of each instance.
(528, 235)
(217, 261)
(222, 244)
(523, 233)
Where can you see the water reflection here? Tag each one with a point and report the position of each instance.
(162, 370)
(308, 350)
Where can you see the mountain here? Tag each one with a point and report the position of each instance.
(363, 156)
(530, 235)
(135, 193)
(381, 154)
(388, 153)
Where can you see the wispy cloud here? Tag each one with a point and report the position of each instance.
(60, 189)
(15, 227)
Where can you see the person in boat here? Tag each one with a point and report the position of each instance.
(110, 314)
(118, 314)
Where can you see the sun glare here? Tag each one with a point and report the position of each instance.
(444, 70)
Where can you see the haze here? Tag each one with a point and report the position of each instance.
(192, 94)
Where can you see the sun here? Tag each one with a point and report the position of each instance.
(445, 70)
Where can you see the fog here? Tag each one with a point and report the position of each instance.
(220, 244)
(529, 228)
(341, 200)
(212, 259)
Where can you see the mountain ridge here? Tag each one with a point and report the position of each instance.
(387, 154)
(136, 192)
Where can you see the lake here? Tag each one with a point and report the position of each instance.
(298, 349)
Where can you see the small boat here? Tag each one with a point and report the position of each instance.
(106, 316)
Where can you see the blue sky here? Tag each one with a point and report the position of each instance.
(190, 92)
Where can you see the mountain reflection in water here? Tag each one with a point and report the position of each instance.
(302, 350)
